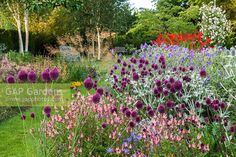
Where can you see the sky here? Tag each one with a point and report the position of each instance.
(141, 3)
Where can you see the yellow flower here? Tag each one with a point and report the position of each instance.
(76, 84)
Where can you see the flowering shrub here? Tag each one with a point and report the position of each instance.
(214, 23)
(192, 41)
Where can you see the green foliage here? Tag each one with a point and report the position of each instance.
(19, 58)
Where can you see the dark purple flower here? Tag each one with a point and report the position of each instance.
(191, 68)
(178, 85)
(172, 80)
(32, 115)
(183, 106)
(206, 119)
(104, 125)
(161, 108)
(100, 91)
(170, 104)
(197, 104)
(96, 98)
(88, 83)
(10, 79)
(158, 83)
(208, 101)
(186, 78)
(232, 129)
(47, 109)
(22, 75)
(138, 119)
(45, 75)
(203, 73)
(124, 109)
(54, 74)
(151, 113)
(127, 113)
(118, 61)
(134, 114)
(139, 105)
(23, 117)
(155, 91)
(148, 108)
(32, 76)
(132, 124)
(166, 92)
(135, 76)
(222, 105)
(48, 115)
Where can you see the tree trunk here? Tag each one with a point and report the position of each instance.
(26, 20)
(21, 47)
(93, 45)
(99, 43)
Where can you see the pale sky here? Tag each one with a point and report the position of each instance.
(141, 3)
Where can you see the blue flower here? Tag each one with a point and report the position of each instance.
(126, 151)
(109, 150)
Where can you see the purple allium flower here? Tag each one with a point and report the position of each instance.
(48, 115)
(148, 108)
(32, 115)
(197, 104)
(124, 64)
(23, 117)
(54, 74)
(135, 76)
(232, 129)
(208, 101)
(32, 76)
(170, 104)
(127, 113)
(124, 109)
(96, 98)
(100, 91)
(178, 85)
(191, 68)
(168, 85)
(222, 105)
(118, 61)
(22, 75)
(47, 109)
(139, 105)
(166, 92)
(10, 79)
(150, 113)
(203, 73)
(134, 114)
(132, 124)
(206, 119)
(155, 91)
(158, 83)
(88, 83)
(215, 106)
(216, 101)
(186, 78)
(138, 119)
(114, 110)
(104, 125)
(171, 80)
(161, 108)
(183, 106)
(45, 75)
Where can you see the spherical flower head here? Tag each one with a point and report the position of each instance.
(170, 104)
(135, 76)
(54, 74)
(10, 79)
(203, 73)
(166, 92)
(161, 108)
(96, 98)
(23, 117)
(178, 85)
(222, 105)
(48, 115)
(119, 61)
(197, 104)
(45, 75)
(47, 109)
(158, 83)
(132, 124)
(32, 115)
(100, 91)
(32, 76)
(191, 68)
(138, 119)
(104, 125)
(155, 91)
(148, 108)
(208, 101)
(127, 113)
(139, 105)
(134, 114)
(232, 129)
(22, 75)
(88, 83)
(206, 119)
(151, 113)
(171, 80)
